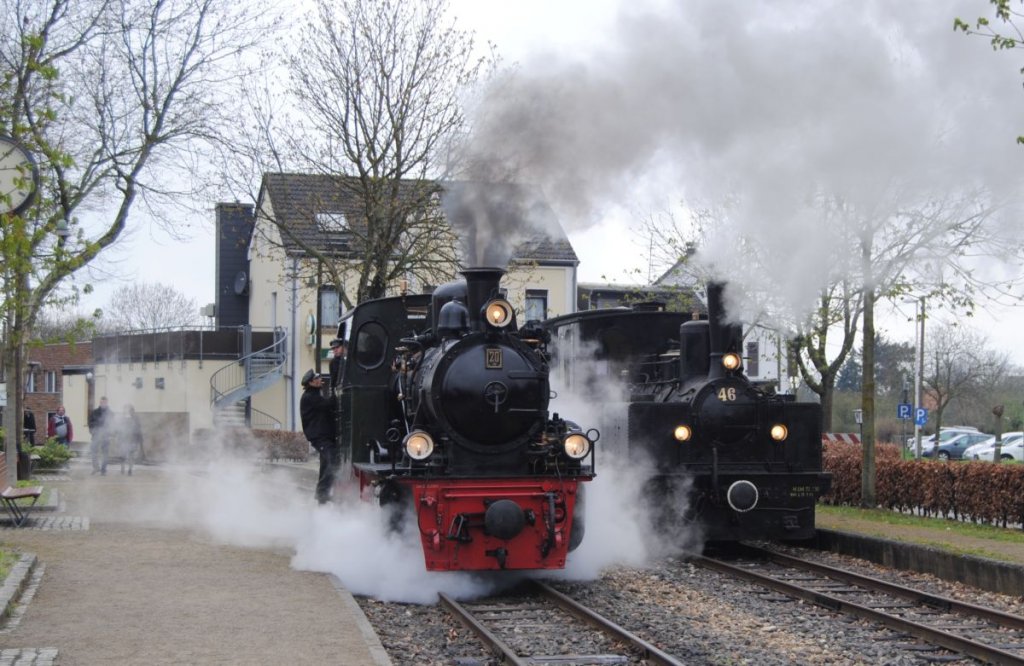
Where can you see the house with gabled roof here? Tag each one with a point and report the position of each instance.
(298, 216)
(766, 356)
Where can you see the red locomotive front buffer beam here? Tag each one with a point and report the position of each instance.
(484, 524)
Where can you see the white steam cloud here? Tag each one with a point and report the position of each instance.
(764, 111)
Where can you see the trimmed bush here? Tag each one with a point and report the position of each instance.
(51, 455)
(262, 444)
(982, 492)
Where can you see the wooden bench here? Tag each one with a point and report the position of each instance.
(11, 495)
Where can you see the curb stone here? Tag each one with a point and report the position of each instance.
(377, 651)
(15, 583)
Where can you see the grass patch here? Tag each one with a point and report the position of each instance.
(886, 517)
(8, 558)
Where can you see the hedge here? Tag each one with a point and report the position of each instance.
(981, 492)
(263, 444)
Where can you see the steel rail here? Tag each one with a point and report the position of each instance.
(605, 625)
(1007, 620)
(941, 638)
(507, 655)
(498, 646)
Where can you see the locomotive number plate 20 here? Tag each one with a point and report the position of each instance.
(493, 359)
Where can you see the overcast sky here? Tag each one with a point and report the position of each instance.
(653, 101)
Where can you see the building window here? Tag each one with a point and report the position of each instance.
(51, 381)
(536, 304)
(753, 357)
(30, 382)
(330, 307)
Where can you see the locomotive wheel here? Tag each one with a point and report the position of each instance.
(394, 500)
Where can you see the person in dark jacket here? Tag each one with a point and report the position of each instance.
(339, 350)
(101, 426)
(29, 426)
(318, 426)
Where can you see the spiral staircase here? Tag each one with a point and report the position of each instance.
(232, 387)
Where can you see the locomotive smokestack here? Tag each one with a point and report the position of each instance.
(722, 337)
(481, 286)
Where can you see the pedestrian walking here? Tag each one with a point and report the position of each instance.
(101, 426)
(129, 436)
(59, 427)
(317, 413)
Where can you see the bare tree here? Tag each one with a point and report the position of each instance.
(102, 93)
(960, 366)
(839, 306)
(378, 83)
(58, 325)
(148, 306)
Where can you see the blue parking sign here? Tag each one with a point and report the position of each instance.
(904, 411)
(920, 416)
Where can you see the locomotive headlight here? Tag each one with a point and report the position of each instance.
(731, 361)
(779, 432)
(682, 433)
(419, 445)
(499, 313)
(576, 446)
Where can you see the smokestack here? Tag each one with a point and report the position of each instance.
(481, 287)
(722, 338)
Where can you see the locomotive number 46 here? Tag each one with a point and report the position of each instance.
(727, 394)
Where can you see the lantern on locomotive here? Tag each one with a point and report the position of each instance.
(493, 481)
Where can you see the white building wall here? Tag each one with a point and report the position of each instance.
(558, 281)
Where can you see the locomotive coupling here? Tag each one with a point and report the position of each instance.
(504, 519)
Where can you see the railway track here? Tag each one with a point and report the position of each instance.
(510, 625)
(974, 631)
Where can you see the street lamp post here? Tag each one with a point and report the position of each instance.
(919, 375)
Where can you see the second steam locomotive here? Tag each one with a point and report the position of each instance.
(726, 455)
(444, 420)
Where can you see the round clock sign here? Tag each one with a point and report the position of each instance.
(19, 177)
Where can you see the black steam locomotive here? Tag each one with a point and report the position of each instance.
(736, 459)
(444, 415)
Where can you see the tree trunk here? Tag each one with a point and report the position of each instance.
(827, 401)
(867, 483)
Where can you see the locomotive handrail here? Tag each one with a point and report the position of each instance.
(251, 373)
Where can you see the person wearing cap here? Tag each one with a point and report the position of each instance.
(339, 348)
(317, 413)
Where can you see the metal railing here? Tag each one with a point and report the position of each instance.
(250, 374)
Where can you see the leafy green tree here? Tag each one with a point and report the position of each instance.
(109, 96)
(1004, 35)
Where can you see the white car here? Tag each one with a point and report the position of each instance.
(1012, 448)
(948, 432)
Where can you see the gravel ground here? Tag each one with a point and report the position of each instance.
(699, 616)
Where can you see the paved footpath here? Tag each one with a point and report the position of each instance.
(108, 589)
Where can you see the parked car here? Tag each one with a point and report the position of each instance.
(1012, 448)
(954, 447)
(928, 441)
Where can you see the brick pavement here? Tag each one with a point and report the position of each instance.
(109, 587)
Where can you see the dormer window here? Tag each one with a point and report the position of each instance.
(332, 221)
